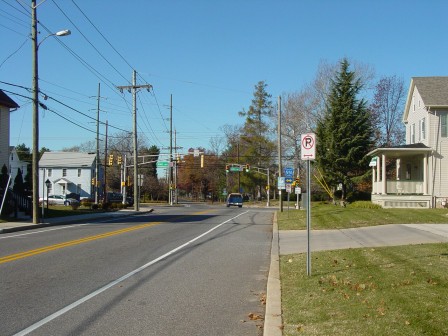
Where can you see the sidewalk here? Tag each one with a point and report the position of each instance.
(295, 241)
(27, 224)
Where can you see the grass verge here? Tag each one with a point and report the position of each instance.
(329, 216)
(371, 291)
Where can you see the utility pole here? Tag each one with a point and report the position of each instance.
(170, 179)
(97, 166)
(133, 88)
(279, 127)
(35, 159)
(105, 166)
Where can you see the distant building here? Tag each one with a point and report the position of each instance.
(68, 172)
(15, 164)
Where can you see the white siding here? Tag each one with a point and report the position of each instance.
(439, 162)
(416, 114)
(4, 137)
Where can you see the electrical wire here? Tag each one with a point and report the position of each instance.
(88, 41)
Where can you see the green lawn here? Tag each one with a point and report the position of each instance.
(329, 216)
(369, 291)
(399, 290)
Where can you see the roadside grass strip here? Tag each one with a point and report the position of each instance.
(328, 216)
(400, 290)
(45, 249)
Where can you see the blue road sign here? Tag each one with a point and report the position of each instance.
(289, 172)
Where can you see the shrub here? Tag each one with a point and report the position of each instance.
(94, 206)
(365, 205)
(75, 205)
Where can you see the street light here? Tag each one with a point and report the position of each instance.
(48, 184)
(35, 159)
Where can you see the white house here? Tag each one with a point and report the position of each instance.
(68, 172)
(6, 104)
(416, 175)
(15, 164)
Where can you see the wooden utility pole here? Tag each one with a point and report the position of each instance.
(133, 89)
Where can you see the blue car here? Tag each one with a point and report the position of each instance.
(235, 199)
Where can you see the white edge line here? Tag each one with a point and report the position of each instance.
(115, 282)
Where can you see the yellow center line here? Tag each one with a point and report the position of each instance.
(45, 249)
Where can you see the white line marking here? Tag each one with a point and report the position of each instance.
(115, 282)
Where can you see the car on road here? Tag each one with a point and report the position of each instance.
(235, 199)
(58, 200)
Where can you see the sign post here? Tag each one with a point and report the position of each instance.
(308, 153)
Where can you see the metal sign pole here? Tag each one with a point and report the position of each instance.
(308, 217)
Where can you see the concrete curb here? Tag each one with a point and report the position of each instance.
(273, 325)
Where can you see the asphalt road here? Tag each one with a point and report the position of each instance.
(195, 270)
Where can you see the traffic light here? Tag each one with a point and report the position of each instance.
(93, 181)
(227, 168)
(119, 158)
(247, 168)
(297, 180)
(111, 159)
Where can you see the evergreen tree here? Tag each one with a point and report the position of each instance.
(18, 182)
(344, 133)
(254, 145)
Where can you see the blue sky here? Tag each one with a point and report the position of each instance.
(207, 54)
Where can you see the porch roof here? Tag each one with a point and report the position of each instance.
(62, 181)
(400, 151)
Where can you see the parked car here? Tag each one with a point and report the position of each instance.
(115, 197)
(235, 199)
(58, 200)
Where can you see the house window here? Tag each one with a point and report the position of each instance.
(413, 133)
(49, 172)
(443, 125)
(64, 172)
(423, 128)
(79, 172)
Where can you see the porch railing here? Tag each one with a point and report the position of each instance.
(401, 187)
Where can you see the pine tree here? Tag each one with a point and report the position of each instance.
(344, 134)
(18, 182)
(255, 146)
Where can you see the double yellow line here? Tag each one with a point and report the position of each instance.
(45, 249)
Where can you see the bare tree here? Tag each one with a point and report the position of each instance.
(320, 87)
(386, 109)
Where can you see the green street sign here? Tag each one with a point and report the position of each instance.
(162, 164)
(235, 169)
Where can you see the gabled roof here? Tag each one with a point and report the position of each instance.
(433, 90)
(67, 159)
(6, 101)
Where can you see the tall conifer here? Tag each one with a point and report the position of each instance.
(344, 134)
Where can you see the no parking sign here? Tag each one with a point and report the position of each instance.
(308, 143)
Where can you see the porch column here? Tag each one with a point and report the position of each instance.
(383, 175)
(373, 180)
(425, 174)
(398, 164)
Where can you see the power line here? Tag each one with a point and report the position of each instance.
(85, 37)
(102, 35)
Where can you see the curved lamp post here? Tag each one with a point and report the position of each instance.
(35, 159)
